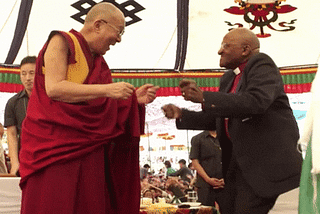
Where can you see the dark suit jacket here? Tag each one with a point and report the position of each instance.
(262, 127)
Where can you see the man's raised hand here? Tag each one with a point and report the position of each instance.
(171, 111)
(190, 91)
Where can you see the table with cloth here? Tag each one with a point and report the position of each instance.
(192, 210)
(10, 201)
(10, 195)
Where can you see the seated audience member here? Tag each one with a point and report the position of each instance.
(177, 188)
(144, 184)
(170, 170)
(184, 173)
(155, 188)
(192, 169)
(3, 167)
(144, 171)
(160, 172)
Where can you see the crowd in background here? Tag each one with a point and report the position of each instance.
(169, 183)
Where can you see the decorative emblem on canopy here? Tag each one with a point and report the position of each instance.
(129, 9)
(261, 13)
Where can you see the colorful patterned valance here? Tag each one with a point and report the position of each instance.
(297, 79)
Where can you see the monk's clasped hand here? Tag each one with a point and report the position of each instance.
(190, 91)
(147, 93)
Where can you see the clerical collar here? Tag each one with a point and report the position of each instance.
(236, 71)
(240, 69)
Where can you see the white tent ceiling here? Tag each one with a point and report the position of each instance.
(151, 43)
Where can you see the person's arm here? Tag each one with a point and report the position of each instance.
(13, 149)
(263, 85)
(3, 167)
(200, 170)
(186, 119)
(203, 120)
(58, 88)
(176, 173)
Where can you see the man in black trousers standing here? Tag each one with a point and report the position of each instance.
(255, 125)
(205, 154)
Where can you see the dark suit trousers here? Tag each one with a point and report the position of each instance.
(240, 197)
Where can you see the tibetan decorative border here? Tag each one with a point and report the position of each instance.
(297, 79)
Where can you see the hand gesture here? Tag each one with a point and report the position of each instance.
(190, 91)
(171, 111)
(216, 183)
(146, 93)
(120, 90)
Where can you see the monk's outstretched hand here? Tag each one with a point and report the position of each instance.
(119, 90)
(146, 93)
(190, 91)
(171, 111)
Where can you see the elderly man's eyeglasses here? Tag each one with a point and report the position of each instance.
(227, 45)
(120, 33)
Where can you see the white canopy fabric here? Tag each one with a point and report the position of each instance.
(151, 42)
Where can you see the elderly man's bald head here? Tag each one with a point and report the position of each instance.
(106, 11)
(238, 46)
(103, 27)
(244, 36)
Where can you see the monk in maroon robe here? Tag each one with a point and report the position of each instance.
(80, 138)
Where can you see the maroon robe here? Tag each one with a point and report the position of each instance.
(80, 157)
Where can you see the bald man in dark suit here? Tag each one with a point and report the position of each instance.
(255, 125)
